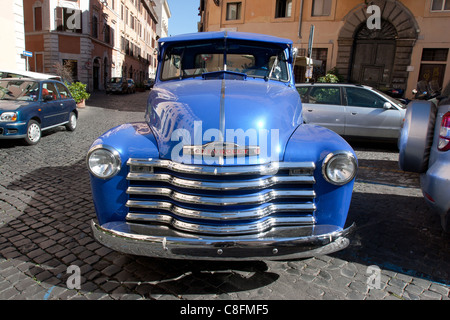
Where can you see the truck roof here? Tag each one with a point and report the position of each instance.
(226, 34)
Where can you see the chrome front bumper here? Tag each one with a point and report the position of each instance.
(278, 244)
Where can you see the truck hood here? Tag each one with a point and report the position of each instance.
(247, 113)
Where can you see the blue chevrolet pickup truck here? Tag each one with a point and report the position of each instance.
(222, 167)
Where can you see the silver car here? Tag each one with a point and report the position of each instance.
(352, 110)
(424, 147)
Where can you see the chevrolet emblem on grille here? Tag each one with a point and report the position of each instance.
(223, 149)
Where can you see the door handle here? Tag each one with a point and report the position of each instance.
(354, 113)
(310, 110)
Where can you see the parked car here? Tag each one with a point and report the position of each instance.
(4, 73)
(424, 147)
(30, 106)
(352, 110)
(222, 166)
(121, 85)
(149, 84)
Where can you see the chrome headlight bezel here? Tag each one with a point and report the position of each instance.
(346, 158)
(111, 158)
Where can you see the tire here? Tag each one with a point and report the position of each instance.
(416, 136)
(72, 125)
(34, 133)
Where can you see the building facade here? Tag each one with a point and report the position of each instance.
(163, 11)
(383, 43)
(95, 39)
(13, 36)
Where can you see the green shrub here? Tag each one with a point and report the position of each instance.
(78, 91)
(329, 78)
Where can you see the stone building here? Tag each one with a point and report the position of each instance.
(97, 39)
(409, 43)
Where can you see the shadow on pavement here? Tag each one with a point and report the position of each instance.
(53, 232)
(133, 102)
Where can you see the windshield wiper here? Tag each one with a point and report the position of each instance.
(269, 75)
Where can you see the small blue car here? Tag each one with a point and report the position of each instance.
(30, 106)
(222, 167)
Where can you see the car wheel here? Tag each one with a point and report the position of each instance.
(72, 124)
(416, 136)
(34, 132)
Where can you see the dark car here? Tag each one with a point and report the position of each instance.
(30, 106)
(120, 85)
(149, 84)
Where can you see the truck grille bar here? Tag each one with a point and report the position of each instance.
(221, 200)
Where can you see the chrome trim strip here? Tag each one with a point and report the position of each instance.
(233, 185)
(263, 169)
(220, 230)
(258, 198)
(257, 213)
(54, 126)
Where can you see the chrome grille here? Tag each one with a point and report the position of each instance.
(221, 200)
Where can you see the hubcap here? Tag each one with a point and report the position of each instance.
(34, 132)
(73, 121)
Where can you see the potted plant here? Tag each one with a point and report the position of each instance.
(78, 91)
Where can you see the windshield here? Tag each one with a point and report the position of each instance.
(23, 90)
(391, 100)
(257, 60)
(116, 80)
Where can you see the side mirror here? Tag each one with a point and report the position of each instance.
(48, 97)
(294, 54)
(387, 105)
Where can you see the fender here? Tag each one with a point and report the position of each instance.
(129, 140)
(314, 142)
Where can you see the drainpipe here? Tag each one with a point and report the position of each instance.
(300, 20)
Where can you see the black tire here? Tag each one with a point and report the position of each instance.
(416, 136)
(72, 124)
(34, 133)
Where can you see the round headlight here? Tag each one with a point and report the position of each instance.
(339, 168)
(103, 162)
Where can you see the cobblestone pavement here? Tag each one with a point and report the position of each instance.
(46, 206)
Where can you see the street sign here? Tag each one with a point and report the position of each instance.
(28, 54)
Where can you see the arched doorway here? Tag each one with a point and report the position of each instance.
(105, 71)
(96, 73)
(402, 29)
(374, 55)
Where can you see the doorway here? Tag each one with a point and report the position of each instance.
(374, 55)
(96, 73)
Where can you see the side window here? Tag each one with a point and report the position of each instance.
(172, 66)
(357, 97)
(49, 89)
(325, 95)
(64, 93)
(302, 91)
